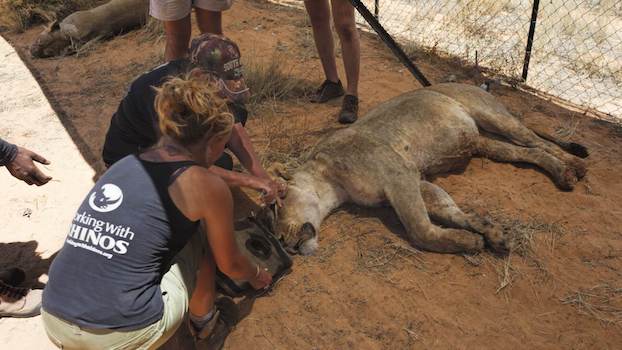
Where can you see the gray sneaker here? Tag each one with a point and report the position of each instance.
(214, 333)
(349, 109)
(327, 91)
(27, 306)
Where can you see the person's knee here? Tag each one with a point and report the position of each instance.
(346, 31)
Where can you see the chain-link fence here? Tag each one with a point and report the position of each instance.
(577, 44)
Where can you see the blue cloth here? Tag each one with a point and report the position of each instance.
(8, 151)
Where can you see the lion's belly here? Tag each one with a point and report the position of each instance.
(448, 147)
(439, 141)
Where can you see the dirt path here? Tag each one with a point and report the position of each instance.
(366, 288)
(34, 220)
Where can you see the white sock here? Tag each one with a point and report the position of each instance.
(200, 321)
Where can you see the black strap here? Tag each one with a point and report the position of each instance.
(180, 171)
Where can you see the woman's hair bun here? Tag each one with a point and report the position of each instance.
(190, 108)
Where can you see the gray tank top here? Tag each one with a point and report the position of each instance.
(121, 242)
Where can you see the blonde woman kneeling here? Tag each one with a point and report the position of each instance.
(134, 261)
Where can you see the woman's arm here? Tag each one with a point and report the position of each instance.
(240, 144)
(242, 147)
(237, 179)
(202, 196)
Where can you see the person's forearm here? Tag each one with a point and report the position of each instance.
(8, 152)
(241, 145)
(233, 178)
(240, 269)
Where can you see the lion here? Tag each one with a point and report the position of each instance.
(104, 21)
(387, 157)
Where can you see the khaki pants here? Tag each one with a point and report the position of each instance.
(177, 286)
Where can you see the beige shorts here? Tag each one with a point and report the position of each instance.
(173, 10)
(177, 286)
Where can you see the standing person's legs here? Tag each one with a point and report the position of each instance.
(177, 38)
(343, 16)
(175, 14)
(319, 15)
(209, 14)
(208, 21)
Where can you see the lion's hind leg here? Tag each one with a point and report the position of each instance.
(404, 193)
(565, 176)
(505, 125)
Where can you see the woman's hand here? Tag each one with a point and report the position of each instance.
(272, 191)
(262, 279)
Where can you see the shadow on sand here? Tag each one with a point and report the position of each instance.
(24, 255)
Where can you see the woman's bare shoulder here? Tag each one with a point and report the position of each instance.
(197, 192)
(199, 181)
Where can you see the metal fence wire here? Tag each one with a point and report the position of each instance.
(577, 44)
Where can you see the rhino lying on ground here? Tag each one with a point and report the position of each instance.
(80, 27)
(387, 156)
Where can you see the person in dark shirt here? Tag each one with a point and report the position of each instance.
(134, 264)
(133, 126)
(16, 301)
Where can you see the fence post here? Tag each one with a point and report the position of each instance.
(532, 30)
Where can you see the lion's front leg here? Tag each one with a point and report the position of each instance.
(403, 191)
(443, 210)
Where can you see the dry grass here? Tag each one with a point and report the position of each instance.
(385, 255)
(18, 15)
(152, 31)
(603, 302)
(85, 49)
(527, 238)
(272, 81)
(283, 140)
(568, 127)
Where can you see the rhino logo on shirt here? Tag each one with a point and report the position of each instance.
(106, 198)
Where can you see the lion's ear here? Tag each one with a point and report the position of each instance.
(279, 170)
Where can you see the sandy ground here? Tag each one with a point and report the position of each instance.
(366, 288)
(34, 219)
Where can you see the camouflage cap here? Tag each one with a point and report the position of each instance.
(220, 56)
